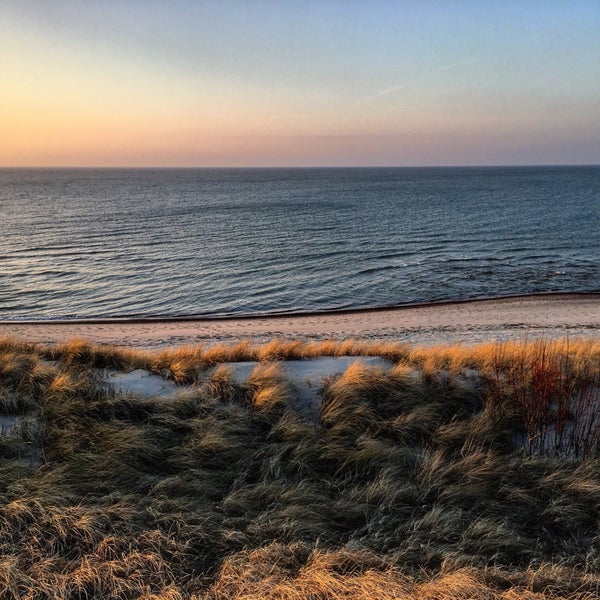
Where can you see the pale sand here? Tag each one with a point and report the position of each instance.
(527, 317)
(305, 379)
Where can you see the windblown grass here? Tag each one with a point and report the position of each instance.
(426, 480)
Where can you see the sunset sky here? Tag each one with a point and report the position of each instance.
(324, 83)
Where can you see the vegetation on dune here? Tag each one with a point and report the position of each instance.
(457, 473)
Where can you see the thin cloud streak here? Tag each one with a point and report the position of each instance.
(410, 84)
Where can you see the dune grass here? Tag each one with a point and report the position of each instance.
(460, 472)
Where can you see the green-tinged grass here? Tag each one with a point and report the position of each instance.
(424, 481)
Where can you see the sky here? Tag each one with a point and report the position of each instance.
(181, 83)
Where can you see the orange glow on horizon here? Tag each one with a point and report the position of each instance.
(124, 86)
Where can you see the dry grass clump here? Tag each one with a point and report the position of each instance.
(350, 403)
(410, 484)
(82, 354)
(185, 364)
(22, 375)
(269, 393)
(296, 572)
(221, 385)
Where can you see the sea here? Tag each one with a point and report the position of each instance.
(104, 243)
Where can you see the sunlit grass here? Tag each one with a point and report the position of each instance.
(457, 472)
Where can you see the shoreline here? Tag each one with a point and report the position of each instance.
(550, 315)
(288, 314)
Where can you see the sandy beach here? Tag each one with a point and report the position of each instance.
(526, 317)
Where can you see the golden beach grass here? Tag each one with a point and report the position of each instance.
(445, 476)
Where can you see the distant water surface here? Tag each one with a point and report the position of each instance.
(171, 242)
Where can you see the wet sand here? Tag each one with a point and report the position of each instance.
(526, 317)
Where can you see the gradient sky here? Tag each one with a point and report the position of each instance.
(269, 83)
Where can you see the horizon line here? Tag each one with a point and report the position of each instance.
(264, 167)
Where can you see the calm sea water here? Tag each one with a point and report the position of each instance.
(105, 243)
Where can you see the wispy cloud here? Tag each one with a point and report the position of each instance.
(408, 84)
(388, 90)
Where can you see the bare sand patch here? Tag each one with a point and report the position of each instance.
(141, 382)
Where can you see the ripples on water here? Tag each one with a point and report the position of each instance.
(84, 243)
